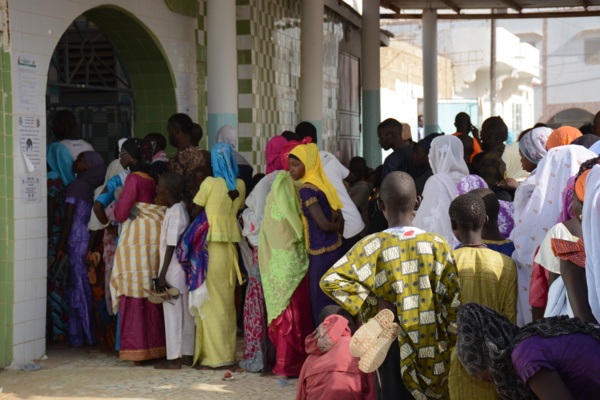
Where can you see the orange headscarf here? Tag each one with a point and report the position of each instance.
(562, 136)
(580, 185)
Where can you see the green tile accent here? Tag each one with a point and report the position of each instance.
(244, 115)
(7, 260)
(244, 86)
(243, 27)
(201, 72)
(244, 57)
(245, 144)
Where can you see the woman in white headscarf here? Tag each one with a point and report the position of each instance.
(537, 207)
(449, 167)
(228, 134)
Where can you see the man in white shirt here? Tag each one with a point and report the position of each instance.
(65, 126)
(336, 173)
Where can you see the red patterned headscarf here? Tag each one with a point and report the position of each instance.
(287, 148)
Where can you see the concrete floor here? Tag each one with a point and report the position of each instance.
(75, 374)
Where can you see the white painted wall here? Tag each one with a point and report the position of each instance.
(569, 79)
(35, 28)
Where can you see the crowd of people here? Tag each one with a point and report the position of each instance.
(476, 247)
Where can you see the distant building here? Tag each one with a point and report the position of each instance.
(466, 46)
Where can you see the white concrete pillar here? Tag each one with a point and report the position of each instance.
(311, 64)
(430, 84)
(221, 54)
(371, 81)
(493, 76)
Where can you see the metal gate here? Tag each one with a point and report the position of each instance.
(87, 76)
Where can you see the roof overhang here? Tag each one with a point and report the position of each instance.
(491, 9)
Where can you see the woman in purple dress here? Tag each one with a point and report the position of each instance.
(79, 197)
(60, 174)
(323, 220)
(549, 359)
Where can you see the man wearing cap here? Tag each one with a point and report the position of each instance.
(392, 136)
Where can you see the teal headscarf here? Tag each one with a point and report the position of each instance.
(224, 164)
(60, 161)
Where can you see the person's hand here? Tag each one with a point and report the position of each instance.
(508, 184)
(161, 284)
(88, 257)
(338, 219)
(475, 132)
(386, 305)
(113, 230)
(60, 252)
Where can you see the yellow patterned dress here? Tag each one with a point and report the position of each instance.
(415, 271)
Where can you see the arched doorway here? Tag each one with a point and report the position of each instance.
(88, 77)
(111, 71)
(575, 117)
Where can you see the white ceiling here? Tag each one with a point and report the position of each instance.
(517, 5)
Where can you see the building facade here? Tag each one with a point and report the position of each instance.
(123, 67)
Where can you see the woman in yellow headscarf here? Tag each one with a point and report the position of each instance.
(323, 220)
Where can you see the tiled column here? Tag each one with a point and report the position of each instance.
(371, 81)
(430, 90)
(221, 66)
(311, 64)
(7, 234)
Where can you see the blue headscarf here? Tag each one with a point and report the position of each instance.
(60, 161)
(596, 148)
(224, 164)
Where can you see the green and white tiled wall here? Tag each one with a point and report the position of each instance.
(268, 40)
(268, 35)
(333, 34)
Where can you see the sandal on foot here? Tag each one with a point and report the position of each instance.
(375, 356)
(366, 335)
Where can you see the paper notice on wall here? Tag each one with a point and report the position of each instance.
(29, 134)
(31, 189)
(26, 85)
(184, 93)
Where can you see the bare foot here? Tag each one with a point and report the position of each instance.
(93, 350)
(146, 363)
(187, 360)
(169, 364)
